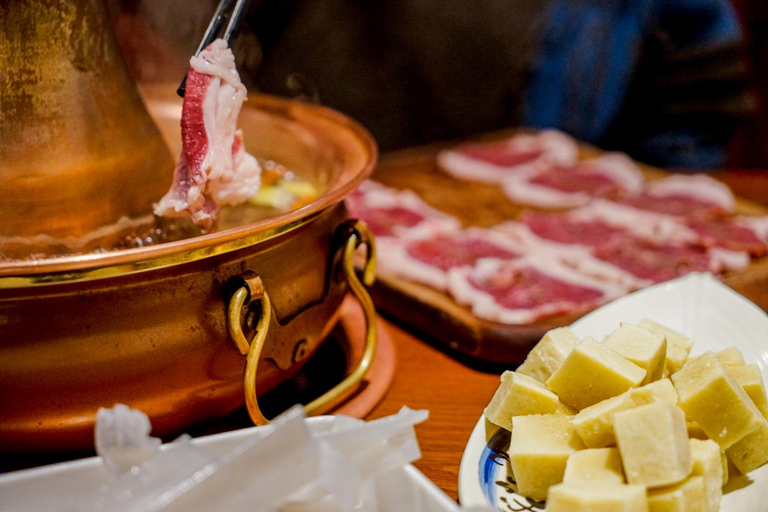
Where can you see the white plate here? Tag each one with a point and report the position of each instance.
(697, 305)
(51, 487)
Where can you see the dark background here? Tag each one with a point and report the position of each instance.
(435, 100)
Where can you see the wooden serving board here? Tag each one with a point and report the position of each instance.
(435, 315)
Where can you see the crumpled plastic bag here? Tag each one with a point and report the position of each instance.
(282, 467)
(122, 438)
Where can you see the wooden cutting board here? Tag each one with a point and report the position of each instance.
(434, 314)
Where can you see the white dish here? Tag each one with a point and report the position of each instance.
(51, 487)
(697, 305)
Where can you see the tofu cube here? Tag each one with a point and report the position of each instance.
(594, 465)
(707, 463)
(548, 354)
(654, 446)
(751, 451)
(659, 391)
(712, 398)
(608, 498)
(593, 372)
(645, 348)
(594, 424)
(751, 381)
(678, 346)
(730, 356)
(539, 450)
(687, 496)
(519, 395)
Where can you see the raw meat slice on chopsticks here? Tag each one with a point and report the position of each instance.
(658, 262)
(528, 289)
(214, 168)
(685, 196)
(427, 259)
(610, 175)
(393, 213)
(493, 161)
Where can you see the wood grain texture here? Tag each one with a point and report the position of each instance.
(435, 314)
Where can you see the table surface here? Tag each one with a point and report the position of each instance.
(454, 393)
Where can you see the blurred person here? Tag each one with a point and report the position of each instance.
(663, 80)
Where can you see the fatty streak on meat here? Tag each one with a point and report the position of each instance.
(683, 197)
(493, 161)
(698, 187)
(722, 260)
(609, 175)
(524, 290)
(245, 180)
(214, 168)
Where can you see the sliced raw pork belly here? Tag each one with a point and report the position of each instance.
(525, 290)
(661, 262)
(392, 213)
(494, 161)
(731, 233)
(609, 175)
(648, 225)
(571, 239)
(428, 259)
(569, 229)
(685, 196)
(214, 168)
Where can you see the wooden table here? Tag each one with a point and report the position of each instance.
(454, 393)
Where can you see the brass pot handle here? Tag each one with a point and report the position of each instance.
(248, 287)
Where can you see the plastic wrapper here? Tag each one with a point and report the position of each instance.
(353, 466)
(122, 438)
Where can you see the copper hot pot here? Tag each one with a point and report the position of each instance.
(149, 327)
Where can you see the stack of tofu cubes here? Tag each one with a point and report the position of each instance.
(630, 423)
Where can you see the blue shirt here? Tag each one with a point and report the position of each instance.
(587, 58)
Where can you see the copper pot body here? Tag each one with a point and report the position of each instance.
(147, 327)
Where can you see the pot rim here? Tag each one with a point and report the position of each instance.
(87, 267)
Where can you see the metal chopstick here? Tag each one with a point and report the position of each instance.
(214, 27)
(236, 20)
